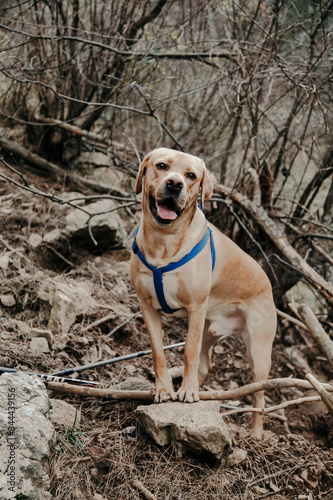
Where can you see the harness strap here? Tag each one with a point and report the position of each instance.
(159, 271)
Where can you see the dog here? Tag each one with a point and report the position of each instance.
(184, 266)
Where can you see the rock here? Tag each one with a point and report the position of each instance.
(91, 356)
(39, 332)
(237, 456)
(94, 158)
(106, 227)
(97, 496)
(38, 346)
(26, 437)
(64, 414)
(35, 240)
(4, 262)
(8, 300)
(134, 384)
(297, 360)
(120, 289)
(23, 327)
(130, 368)
(192, 428)
(107, 175)
(129, 432)
(68, 300)
(52, 236)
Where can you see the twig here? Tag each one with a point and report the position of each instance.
(316, 330)
(274, 408)
(322, 252)
(99, 322)
(50, 247)
(140, 487)
(273, 493)
(291, 319)
(122, 324)
(325, 395)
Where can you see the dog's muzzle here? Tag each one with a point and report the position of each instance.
(168, 206)
(164, 211)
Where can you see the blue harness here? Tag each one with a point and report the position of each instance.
(159, 271)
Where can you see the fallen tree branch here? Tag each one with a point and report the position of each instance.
(54, 170)
(323, 393)
(317, 331)
(75, 130)
(285, 404)
(261, 217)
(204, 395)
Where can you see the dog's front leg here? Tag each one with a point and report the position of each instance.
(163, 383)
(189, 390)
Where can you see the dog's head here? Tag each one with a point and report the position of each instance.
(171, 182)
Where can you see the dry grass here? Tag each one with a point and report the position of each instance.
(107, 461)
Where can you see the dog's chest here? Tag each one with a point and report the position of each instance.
(170, 289)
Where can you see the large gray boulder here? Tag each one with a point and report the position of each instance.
(196, 428)
(26, 437)
(104, 222)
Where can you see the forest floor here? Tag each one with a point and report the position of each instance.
(100, 459)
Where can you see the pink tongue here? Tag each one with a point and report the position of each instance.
(164, 213)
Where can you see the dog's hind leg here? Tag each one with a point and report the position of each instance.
(258, 337)
(209, 337)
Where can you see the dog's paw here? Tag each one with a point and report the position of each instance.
(188, 394)
(162, 396)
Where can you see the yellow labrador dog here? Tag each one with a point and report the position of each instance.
(184, 266)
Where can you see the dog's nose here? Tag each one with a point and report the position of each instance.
(174, 184)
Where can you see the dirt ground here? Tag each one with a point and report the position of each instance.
(104, 456)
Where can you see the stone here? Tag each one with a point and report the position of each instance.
(65, 414)
(52, 236)
(196, 428)
(4, 262)
(23, 327)
(63, 313)
(67, 300)
(134, 384)
(237, 457)
(114, 178)
(26, 437)
(8, 300)
(94, 158)
(35, 240)
(38, 346)
(39, 332)
(106, 227)
(91, 356)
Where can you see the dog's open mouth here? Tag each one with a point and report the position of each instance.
(164, 211)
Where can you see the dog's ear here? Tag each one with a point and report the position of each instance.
(141, 173)
(206, 187)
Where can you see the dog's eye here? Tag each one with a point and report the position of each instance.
(161, 166)
(191, 175)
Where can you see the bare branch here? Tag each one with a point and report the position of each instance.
(205, 396)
